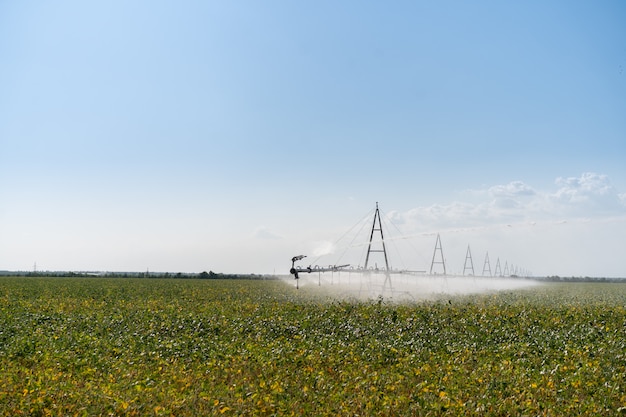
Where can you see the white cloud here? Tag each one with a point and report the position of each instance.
(506, 204)
(590, 195)
(512, 189)
(463, 214)
(589, 182)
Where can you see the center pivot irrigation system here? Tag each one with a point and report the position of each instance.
(438, 262)
(295, 271)
(376, 227)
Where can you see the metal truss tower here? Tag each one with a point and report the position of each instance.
(440, 250)
(498, 271)
(487, 266)
(382, 241)
(468, 257)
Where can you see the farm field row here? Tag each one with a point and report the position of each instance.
(95, 346)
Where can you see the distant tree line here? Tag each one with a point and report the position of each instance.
(148, 275)
(556, 278)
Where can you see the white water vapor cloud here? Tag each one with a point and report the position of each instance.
(323, 248)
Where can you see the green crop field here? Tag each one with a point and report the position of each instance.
(94, 346)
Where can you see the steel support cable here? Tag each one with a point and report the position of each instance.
(362, 220)
(351, 244)
(403, 238)
(395, 247)
(386, 221)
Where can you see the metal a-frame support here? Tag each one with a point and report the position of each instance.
(440, 250)
(498, 271)
(468, 256)
(487, 266)
(383, 250)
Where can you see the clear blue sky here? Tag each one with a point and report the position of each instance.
(230, 136)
